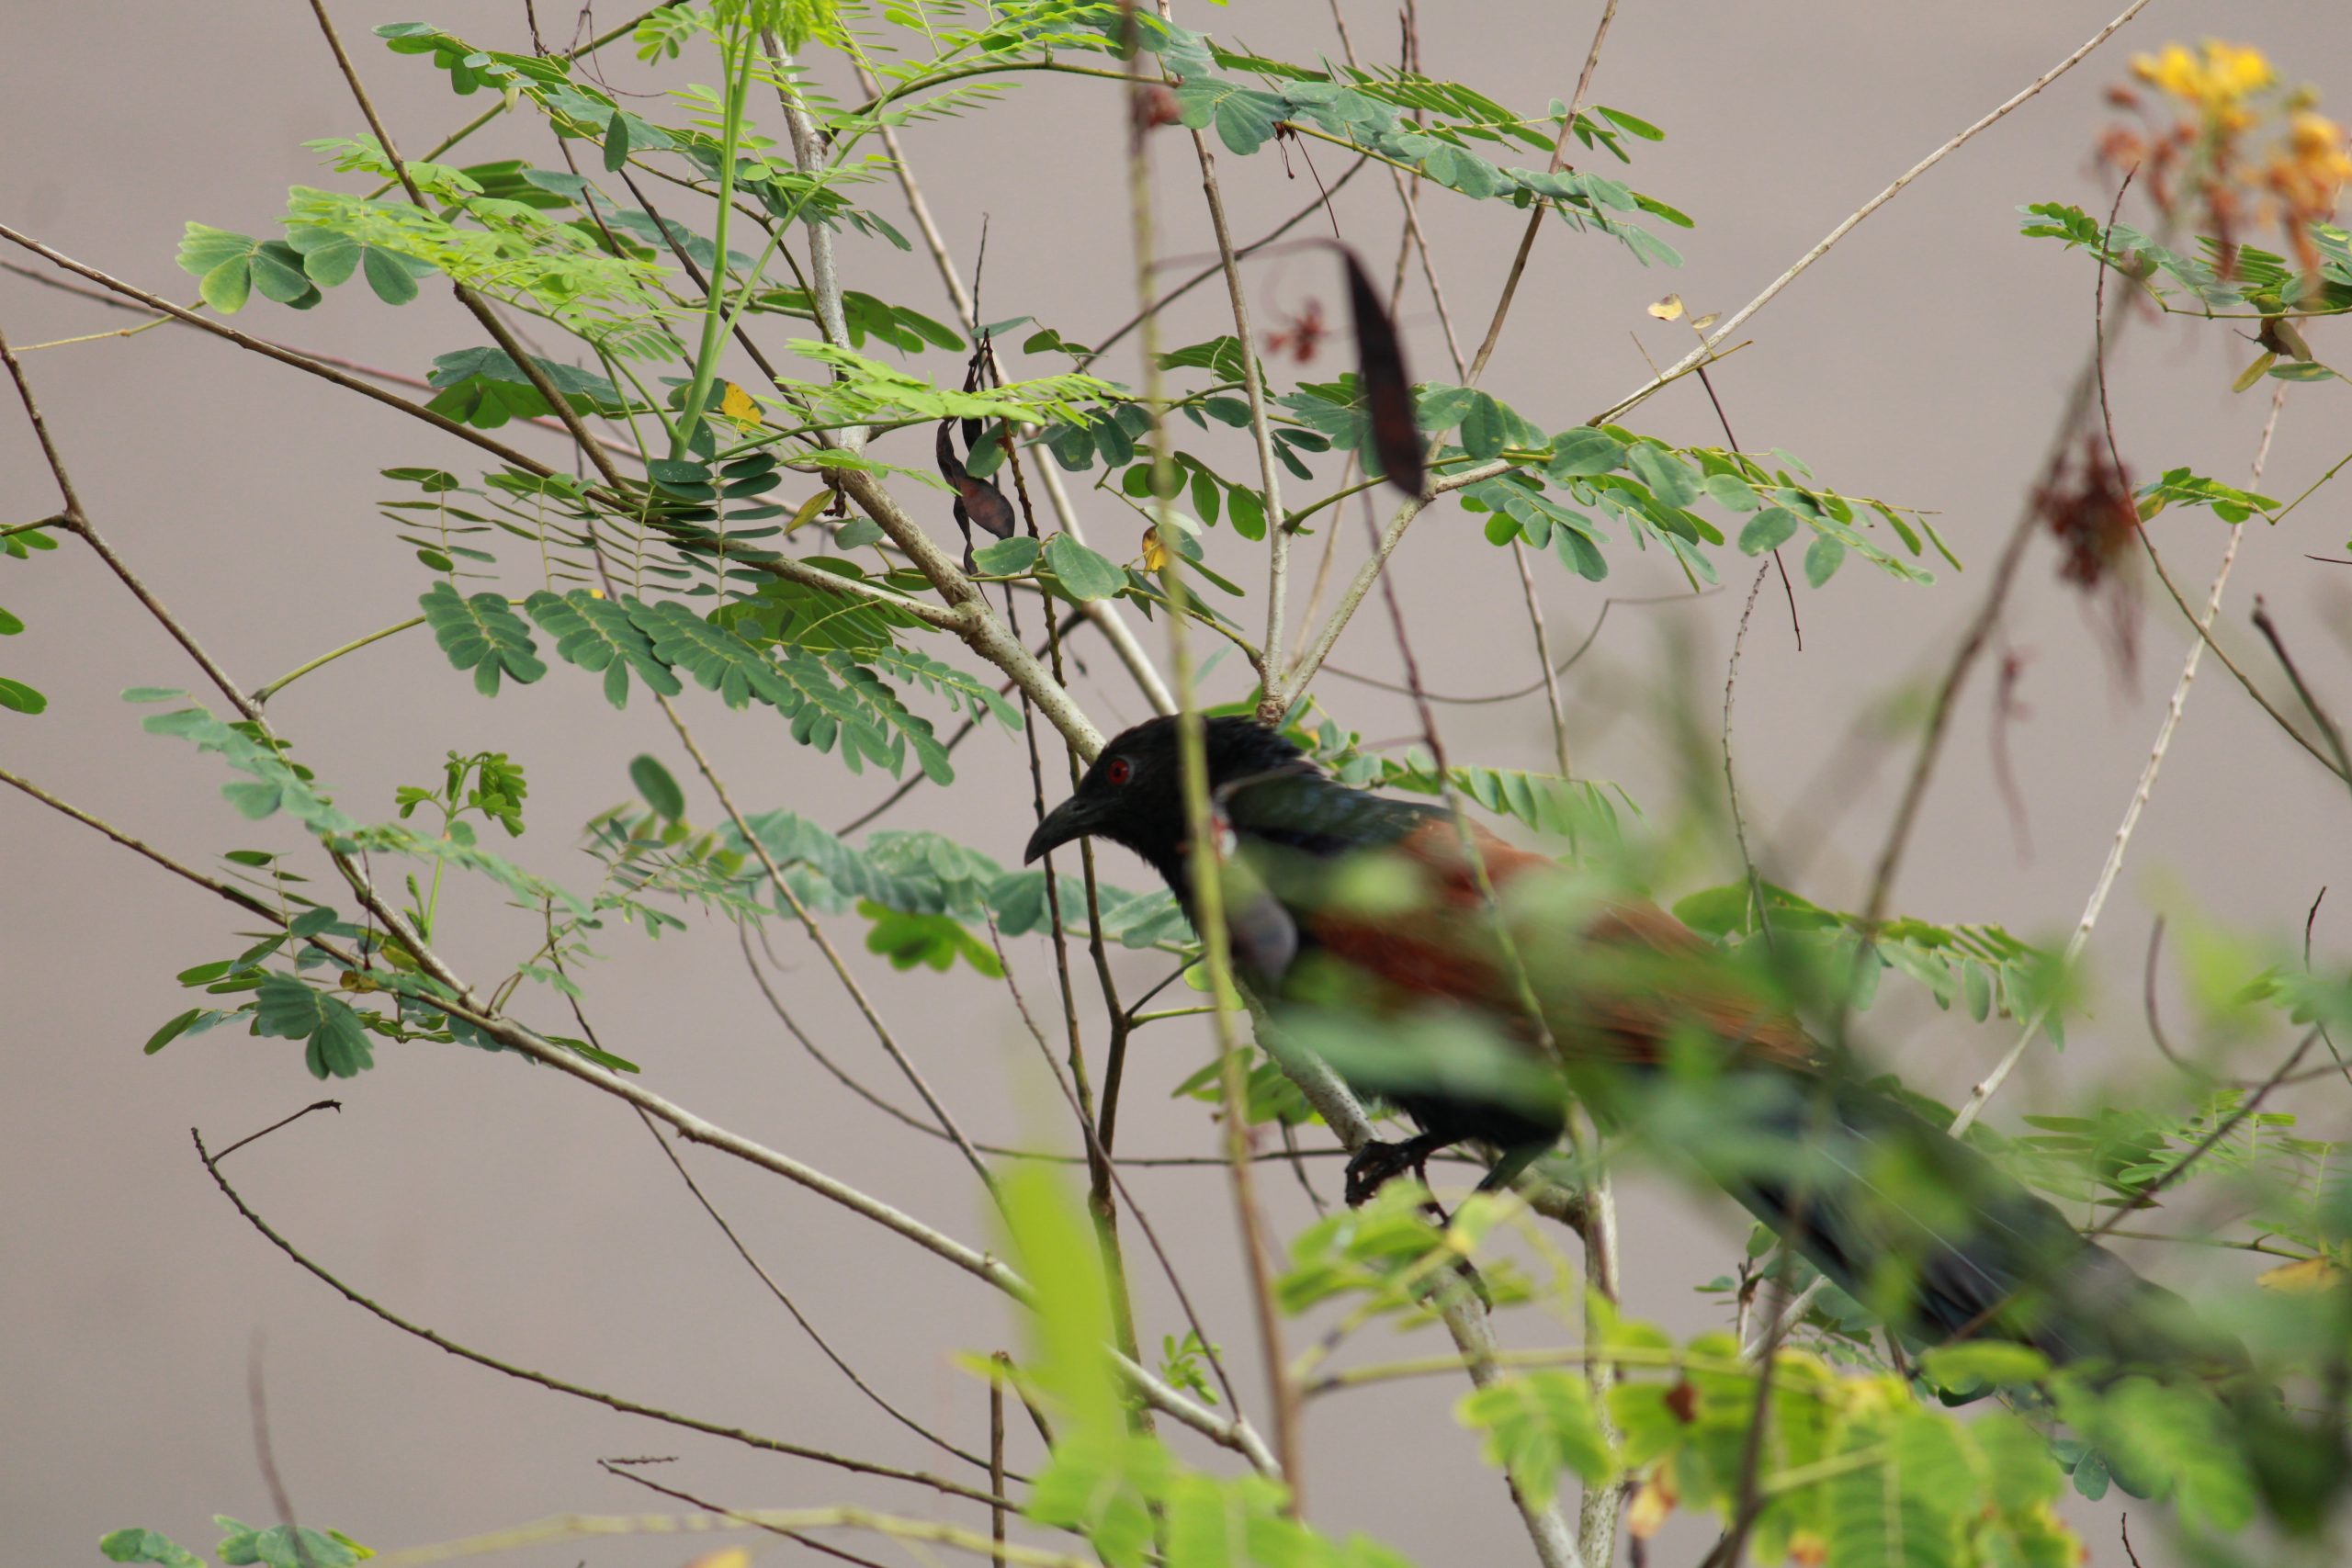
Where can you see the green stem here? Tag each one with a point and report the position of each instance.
(737, 54)
(299, 671)
(940, 79)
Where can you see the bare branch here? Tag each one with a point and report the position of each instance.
(1991, 1083)
(1724, 329)
(578, 1391)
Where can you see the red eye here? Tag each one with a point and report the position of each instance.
(1117, 771)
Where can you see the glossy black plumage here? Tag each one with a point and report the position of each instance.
(1650, 1026)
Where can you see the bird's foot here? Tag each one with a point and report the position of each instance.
(1376, 1164)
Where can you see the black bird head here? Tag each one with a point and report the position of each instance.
(1134, 794)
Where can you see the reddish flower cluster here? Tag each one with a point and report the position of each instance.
(2090, 509)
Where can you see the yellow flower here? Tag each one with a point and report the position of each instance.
(2236, 70)
(2174, 71)
(2317, 143)
(2214, 80)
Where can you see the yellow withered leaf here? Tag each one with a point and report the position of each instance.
(1669, 309)
(2304, 1277)
(725, 1557)
(1651, 1504)
(808, 509)
(740, 406)
(1154, 554)
(1709, 320)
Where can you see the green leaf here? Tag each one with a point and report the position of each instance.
(230, 266)
(277, 272)
(1052, 1242)
(1483, 429)
(17, 697)
(1537, 1425)
(481, 634)
(1768, 531)
(1730, 493)
(1666, 475)
(659, 790)
(146, 1546)
(328, 257)
(156, 1042)
(798, 615)
(217, 257)
(389, 276)
(1585, 451)
(1640, 128)
(1822, 557)
(595, 634)
(1244, 116)
(227, 287)
(289, 1009)
(935, 940)
(1247, 507)
(1084, 573)
(484, 388)
(1987, 1362)
(284, 1546)
(288, 784)
(1007, 558)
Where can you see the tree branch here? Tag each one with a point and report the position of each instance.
(578, 1391)
(1732, 323)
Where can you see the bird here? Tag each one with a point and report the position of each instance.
(1480, 987)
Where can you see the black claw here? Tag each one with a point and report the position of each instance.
(1374, 1166)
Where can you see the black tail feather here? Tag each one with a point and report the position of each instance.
(1931, 1235)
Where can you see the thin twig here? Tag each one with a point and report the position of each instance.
(1102, 1161)
(1160, 303)
(1302, 672)
(578, 1391)
(2205, 635)
(1409, 197)
(265, 1454)
(1991, 1083)
(1547, 1527)
(625, 1470)
(1001, 1151)
(79, 521)
(911, 1424)
(1535, 214)
(334, 1105)
(229, 891)
(2146, 1194)
(479, 307)
(1732, 323)
(1207, 901)
(824, 944)
(583, 1527)
(1529, 689)
(2269, 630)
(824, 275)
(1977, 633)
(1731, 777)
(996, 1455)
(1261, 428)
(319, 368)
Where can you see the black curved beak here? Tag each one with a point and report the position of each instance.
(1073, 819)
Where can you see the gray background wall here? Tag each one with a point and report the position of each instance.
(1924, 360)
